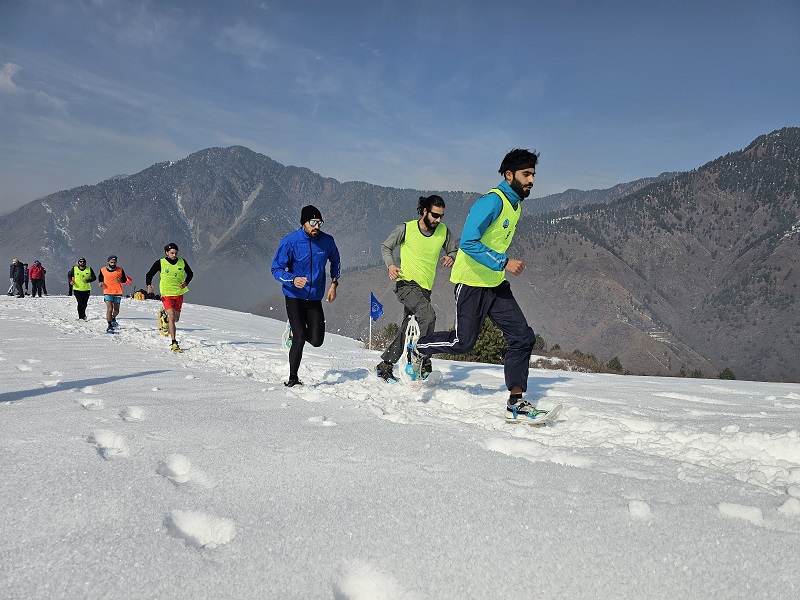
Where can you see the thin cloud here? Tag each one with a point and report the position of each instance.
(49, 102)
(7, 85)
(253, 44)
(139, 24)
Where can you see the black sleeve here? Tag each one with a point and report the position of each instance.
(100, 277)
(188, 270)
(156, 268)
(92, 276)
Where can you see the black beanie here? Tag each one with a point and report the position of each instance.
(309, 212)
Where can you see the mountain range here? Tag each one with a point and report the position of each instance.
(680, 273)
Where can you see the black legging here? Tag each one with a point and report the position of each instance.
(83, 299)
(307, 320)
(37, 287)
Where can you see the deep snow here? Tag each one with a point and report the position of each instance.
(131, 472)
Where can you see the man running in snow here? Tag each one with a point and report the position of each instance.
(80, 279)
(420, 241)
(111, 280)
(174, 279)
(299, 265)
(481, 288)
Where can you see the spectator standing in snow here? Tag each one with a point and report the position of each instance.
(17, 277)
(11, 272)
(299, 265)
(44, 280)
(36, 275)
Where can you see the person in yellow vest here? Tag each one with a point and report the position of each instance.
(481, 287)
(174, 279)
(420, 241)
(111, 280)
(80, 278)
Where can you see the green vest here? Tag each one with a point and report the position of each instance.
(171, 278)
(497, 237)
(419, 254)
(80, 275)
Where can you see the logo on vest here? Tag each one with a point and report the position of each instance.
(506, 223)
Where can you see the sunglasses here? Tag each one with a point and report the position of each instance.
(315, 222)
(435, 215)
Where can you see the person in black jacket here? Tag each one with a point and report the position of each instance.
(11, 278)
(17, 277)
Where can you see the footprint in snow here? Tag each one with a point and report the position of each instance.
(790, 508)
(752, 514)
(357, 580)
(640, 510)
(109, 445)
(92, 403)
(321, 422)
(131, 413)
(200, 529)
(178, 469)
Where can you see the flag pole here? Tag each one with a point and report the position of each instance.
(369, 316)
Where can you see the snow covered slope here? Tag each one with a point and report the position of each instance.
(132, 472)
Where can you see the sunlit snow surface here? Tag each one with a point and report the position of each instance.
(132, 472)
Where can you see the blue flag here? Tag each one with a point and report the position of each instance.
(375, 307)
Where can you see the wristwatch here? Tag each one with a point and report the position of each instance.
(335, 282)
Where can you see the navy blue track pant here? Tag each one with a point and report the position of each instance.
(473, 305)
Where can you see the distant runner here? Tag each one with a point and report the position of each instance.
(174, 279)
(80, 278)
(111, 280)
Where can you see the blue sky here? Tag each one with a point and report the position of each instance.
(410, 94)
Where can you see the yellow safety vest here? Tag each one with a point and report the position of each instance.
(171, 278)
(497, 237)
(419, 254)
(81, 277)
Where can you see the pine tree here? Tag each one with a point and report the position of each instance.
(490, 347)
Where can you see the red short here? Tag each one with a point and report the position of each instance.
(175, 302)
